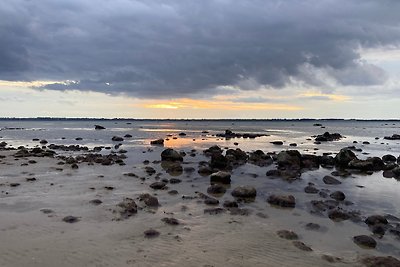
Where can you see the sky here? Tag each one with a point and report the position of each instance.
(259, 59)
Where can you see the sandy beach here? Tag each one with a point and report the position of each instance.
(68, 209)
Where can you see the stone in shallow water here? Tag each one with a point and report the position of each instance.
(70, 219)
(170, 221)
(244, 192)
(338, 195)
(330, 180)
(364, 241)
(282, 200)
(287, 234)
(221, 177)
(387, 261)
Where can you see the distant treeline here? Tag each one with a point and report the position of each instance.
(133, 119)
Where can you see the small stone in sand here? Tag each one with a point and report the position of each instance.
(151, 233)
(170, 221)
(286, 234)
(301, 245)
(364, 241)
(70, 219)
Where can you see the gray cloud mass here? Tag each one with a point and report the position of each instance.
(154, 48)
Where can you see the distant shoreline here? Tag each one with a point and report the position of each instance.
(139, 119)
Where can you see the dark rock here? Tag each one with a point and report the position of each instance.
(293, 144)
(330, 180)
(230, 204)
(30, 179)
(364, 241)
(278, 143)
(205, 170)
(157, 142)
(14, 184)
(149, 170)
(244, 192)
(74, 166)
(127, 208)
(216, 189)
(343, 158)
(338, 195)
(311, 190)
(158, 185)
(175, 181)
(99, 127)
(387, 261)
(170, 154)
(313, 226)
(173, 168)
(389, 158)
(259, 158)
(182, 134)
(128, 136)
(170, 221)
(151, 233)
(211, 201)
(393, 137)
(338, 215)
(328, 137)
(300, 245)
(213, 150)
(376, 219)
(289, 159)
(286, 234)
(220, 177)
(282, 200)
(219, 161)
(117, 139)
(149, 200)
(70, 219)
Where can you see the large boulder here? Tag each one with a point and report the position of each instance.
(328, 137)
(343, 158)
(259, 158)
(219, 161)
(220, 177)
(170, 154)
(289, 159)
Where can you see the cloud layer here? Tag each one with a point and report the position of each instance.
(162, 49)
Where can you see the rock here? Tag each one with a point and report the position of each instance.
(128, 136)
(205, 170)
(230, 204)
(313, 226)
(182, 134)
(211, 201)
(311, 190)
(328, 137)
(381, 261)
(376, 219)
(300, 245)
(157, 142)
(370, 164)
(219, 161)
(330, 258)
(175, 181)
(170, 221)
(338, 215)
(14, 184)
(389, 158)
(220, 177)
(277, 143)
(343, 158)
(158, 185)
(30, 179)
(259, 158)
(393, 137)
(282, 200)
(338, 195)
(117, 139)
(151, 233)
(70, 219)
(216, 189)
(170, 154)
(364, 241)
(330, 180)
(286, 234)
(127, 208)
(43, 142)
(213, 150)
(244, 192)
(149, 200)
(289, 159)
(99, 127)
(173, 168)
(149, 170)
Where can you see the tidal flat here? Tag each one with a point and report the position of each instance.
(207, 193)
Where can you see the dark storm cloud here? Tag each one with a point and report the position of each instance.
(153, 48)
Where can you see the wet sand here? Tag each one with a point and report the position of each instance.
(33, 232)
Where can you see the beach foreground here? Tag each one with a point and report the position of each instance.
(199, 204)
